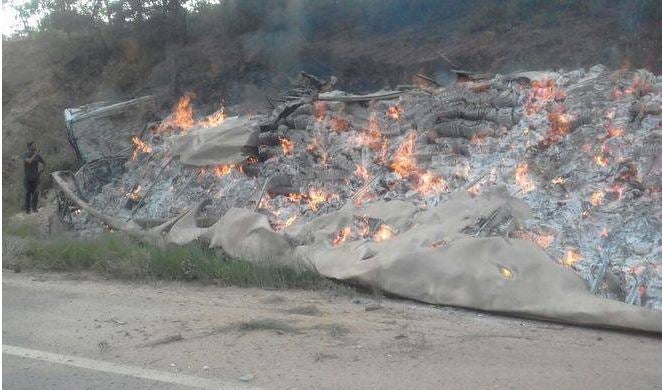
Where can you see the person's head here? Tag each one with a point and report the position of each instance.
(32, 146)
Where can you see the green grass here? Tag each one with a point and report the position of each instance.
(23, 230)
(117, 255)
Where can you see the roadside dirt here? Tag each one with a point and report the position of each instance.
(320, 340)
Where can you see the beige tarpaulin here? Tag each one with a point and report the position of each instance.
(432, 258)
(219, 145)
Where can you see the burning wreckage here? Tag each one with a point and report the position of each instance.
(536, 194)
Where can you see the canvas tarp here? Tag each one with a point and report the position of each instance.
(219, 145)
(432, 258)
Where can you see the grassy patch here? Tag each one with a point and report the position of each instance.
(307, 310)
(117, 255)
(265, 324)
(334, 329)
(20, 229)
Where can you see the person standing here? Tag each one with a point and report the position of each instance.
(31, 161)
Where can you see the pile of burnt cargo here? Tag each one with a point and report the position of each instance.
(581, 148)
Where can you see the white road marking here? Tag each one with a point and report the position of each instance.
(136, 372)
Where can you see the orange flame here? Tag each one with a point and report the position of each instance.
(316, 197)
(287, 145)
(522, 178)
(340, 236)
(403, 163)
(362, 172)
(135, 194)
(339, 125)
(542, 92)
(596, 198)
(222, 170)
(560, 123)
(615, 132)
(295, 198)
(139, 147)
(320, 110)
(601, 160)
(430, 184)
(571, 257)
(618, 190)
(213, 119)
(182, 116)
(474, 190)
(383, 233)
(395, 112)
(544, 240)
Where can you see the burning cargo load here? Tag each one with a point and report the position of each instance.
(499, 194)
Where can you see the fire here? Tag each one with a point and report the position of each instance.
(395, 112)
(290, 220)
(320, 110)
(596, 198)
(139, 147)
(316, 197)
(544, 240)
(403, 163)
(558, 180)
(295, 198)
(430, 184)
(315, 146)
(615, 132)
(474, 190)
(287, 145)
(372, 137)
(506, 273)
(135, 194)
(542, 92)
(340, 236)
(617, 190)
(213, 119)
(383, 233)
(522, 178)
(560, 123)
(601, 160)
(571, 257)
(222, 170)
(182, 116)
(339, 125)
(362, 172)
(478, 139)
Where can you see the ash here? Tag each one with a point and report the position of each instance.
(582, 148)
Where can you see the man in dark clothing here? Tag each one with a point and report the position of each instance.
(31, 160)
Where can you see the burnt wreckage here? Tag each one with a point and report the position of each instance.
(500, 192)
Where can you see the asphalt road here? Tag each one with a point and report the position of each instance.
(67, 332)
